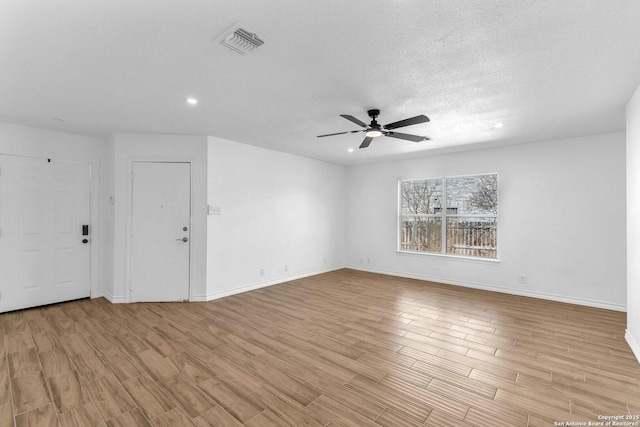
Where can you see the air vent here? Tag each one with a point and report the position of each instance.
(241, 40)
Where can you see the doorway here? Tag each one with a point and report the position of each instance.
(45, 235)
(160, 234)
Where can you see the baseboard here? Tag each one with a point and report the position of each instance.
(633, 344)
(112, 299)
(250, 287)
(259, 285)
(519, 292)
(107, 295)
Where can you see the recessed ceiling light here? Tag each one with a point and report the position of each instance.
(350, 150)
(498, 125)
(192, 101)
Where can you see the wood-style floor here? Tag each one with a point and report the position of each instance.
(343, 349)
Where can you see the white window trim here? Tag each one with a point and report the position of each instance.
(453, 257)
(443, 250)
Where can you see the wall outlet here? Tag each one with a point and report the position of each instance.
(324, 260)
(214, 210)
(368, 260)
(286, 267)
(262, 271)
(522, 278)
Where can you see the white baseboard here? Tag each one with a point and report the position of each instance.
(250, 287)
(113, 299)
(520, 292)
(258, 285)
(633, 344)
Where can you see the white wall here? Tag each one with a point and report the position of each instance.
(633, 223)
(107, 210)
(129, 148)
(562, 220)
(33, 142)
(277, 210)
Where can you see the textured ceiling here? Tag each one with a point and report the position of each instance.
(546, 69)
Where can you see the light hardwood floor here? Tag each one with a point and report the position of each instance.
(345, 348)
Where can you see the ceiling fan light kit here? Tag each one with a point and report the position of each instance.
(374, 130)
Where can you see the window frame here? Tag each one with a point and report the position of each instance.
(443, 215)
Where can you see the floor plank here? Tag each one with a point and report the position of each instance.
(42, 416)
(29, 392)
(67, 391)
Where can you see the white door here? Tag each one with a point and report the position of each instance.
(44, 204)
(160, 231)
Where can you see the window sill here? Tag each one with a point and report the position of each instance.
(490, 261)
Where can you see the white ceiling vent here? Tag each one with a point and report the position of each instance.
(240, 40)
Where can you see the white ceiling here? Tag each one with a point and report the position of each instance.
(546, 69)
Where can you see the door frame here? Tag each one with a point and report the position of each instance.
(155, 159)
(95, 242)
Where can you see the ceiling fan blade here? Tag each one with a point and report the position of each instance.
(407, 122)
(354, 120)
(366, 142)
(339, 133)
(414, 138)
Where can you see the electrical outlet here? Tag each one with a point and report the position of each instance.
(214, 210)
(368, 260)
(262, 271)
(286, 268)
(324, 260)
(522, 279)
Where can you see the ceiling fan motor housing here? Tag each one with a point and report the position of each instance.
(374, 129)
(373, 113)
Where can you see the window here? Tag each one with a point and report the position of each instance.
(453, 215)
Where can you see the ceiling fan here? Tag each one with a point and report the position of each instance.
(374, 129)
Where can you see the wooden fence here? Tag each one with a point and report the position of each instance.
(464, 237)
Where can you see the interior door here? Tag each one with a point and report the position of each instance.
(44, 256)
(160, 231)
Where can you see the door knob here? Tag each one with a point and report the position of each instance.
(184, 239)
